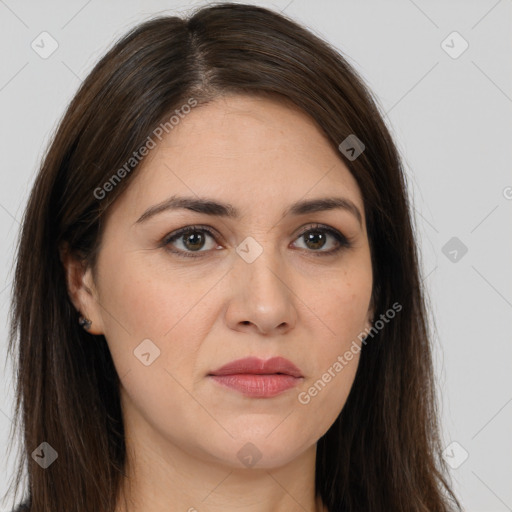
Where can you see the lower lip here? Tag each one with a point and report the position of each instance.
(258, 386)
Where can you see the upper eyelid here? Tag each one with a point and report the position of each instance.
(183, 231)
(317, 225)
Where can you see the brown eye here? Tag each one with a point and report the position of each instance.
(192, 239)
(317, 237)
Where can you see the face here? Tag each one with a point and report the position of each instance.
(175, 307)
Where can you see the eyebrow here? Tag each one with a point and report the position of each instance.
(212, 207)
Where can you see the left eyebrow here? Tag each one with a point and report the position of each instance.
(212, 207)
(324, 204)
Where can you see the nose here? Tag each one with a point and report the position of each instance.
(262, 299)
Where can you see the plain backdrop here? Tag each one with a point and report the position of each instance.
(442, 73)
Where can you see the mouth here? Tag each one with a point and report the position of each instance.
(257, 378)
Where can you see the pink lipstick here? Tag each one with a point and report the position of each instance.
(257, 378)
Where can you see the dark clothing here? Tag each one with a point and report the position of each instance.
(23, 507)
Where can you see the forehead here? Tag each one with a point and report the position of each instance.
(245, 150)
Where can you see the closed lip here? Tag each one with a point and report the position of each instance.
(257, 366)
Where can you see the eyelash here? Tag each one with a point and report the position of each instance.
(343, 241)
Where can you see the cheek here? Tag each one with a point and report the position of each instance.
(345, 315)
(335, 357)
(142, 302)
(343, 308)
(343, 311)
(143, 299)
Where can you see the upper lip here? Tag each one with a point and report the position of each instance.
(256, 366)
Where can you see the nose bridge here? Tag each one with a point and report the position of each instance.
(261, 264)
(261, 288)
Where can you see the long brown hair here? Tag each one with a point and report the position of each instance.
(383, 452)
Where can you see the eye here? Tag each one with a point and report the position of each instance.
(192, 239)
(317, 236)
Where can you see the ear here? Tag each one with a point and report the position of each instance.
(81, 288)
(370, 315)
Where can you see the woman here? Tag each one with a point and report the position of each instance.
(217, 294)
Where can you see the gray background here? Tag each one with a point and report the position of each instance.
(451, 120)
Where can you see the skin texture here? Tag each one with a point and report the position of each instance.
(183, 430)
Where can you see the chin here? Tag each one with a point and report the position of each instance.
(259, 450)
